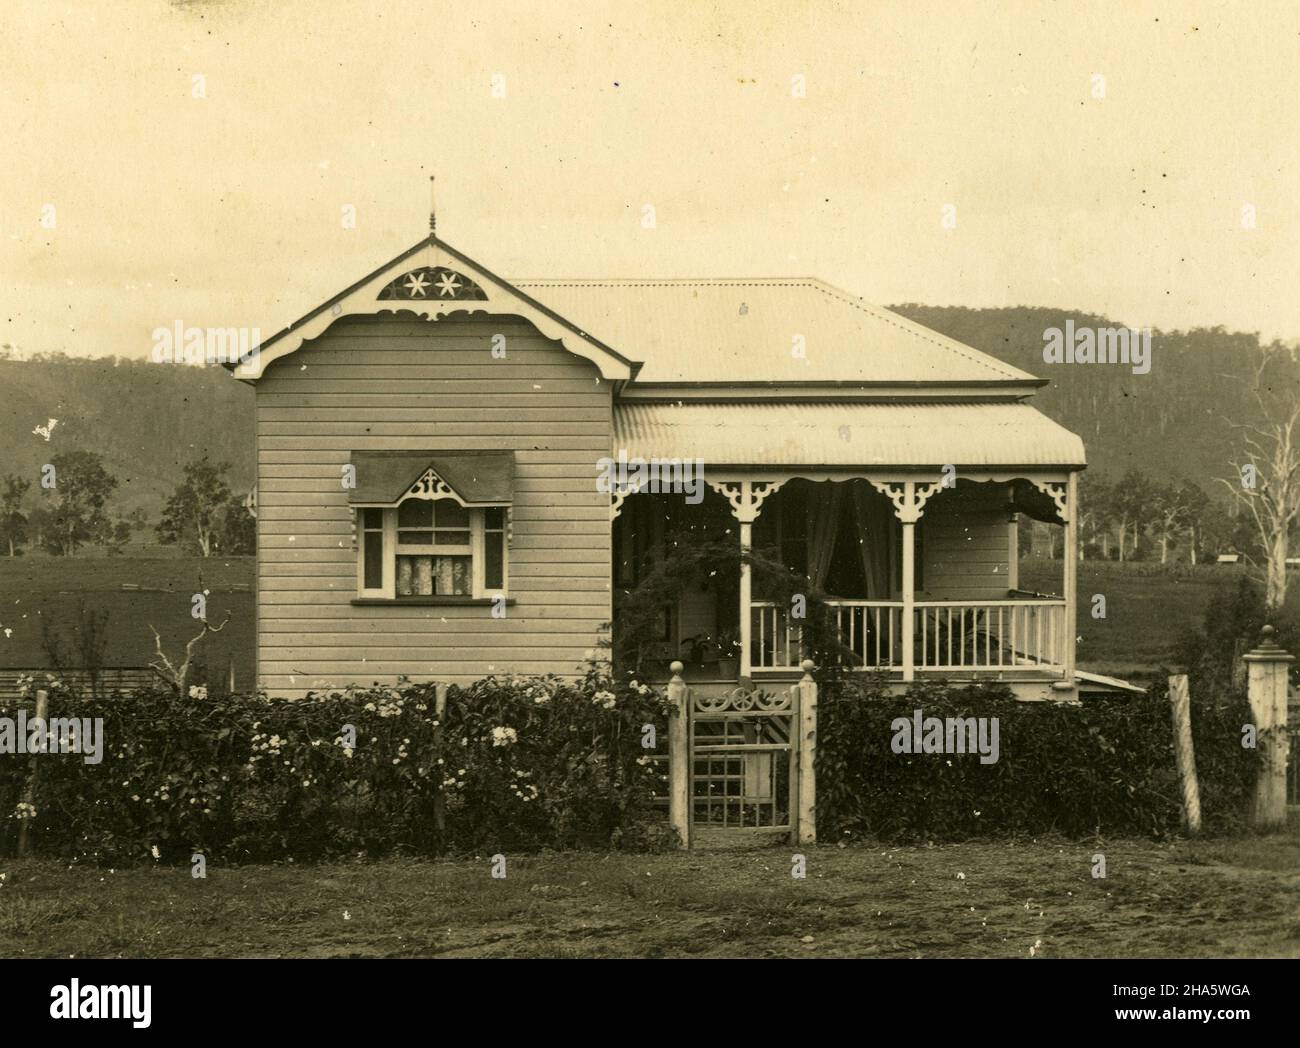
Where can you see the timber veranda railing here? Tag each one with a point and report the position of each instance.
(947, 634)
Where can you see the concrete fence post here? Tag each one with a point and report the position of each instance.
(679, 756)
(1268, 668)
(807, 735)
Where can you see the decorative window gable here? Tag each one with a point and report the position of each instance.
(432, 543)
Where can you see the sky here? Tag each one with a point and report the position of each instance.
(193, 161)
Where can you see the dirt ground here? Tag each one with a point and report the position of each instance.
(1224, 898)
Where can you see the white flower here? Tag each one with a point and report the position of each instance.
(504, 736)
(155, 852)
(604, 698)
(198, 691)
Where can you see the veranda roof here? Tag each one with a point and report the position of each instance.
(847, 434)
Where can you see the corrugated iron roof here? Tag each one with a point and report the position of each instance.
(747, 330)
(846, 434)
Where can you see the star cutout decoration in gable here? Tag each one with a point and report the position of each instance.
(432, 281)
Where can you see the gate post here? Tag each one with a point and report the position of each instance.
(679, 768)
(807, 735)
(1268, 667)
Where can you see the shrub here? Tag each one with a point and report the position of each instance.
(1106, 767)
(516, 764)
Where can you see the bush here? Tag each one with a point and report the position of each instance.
(1105, 767)
(516, 764)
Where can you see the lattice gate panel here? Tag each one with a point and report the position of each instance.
(742, 759)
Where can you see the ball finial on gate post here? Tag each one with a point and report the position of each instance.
(675, 668)
(807, 666)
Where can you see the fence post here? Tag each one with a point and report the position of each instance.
(1180, 702)
(807, 755)
(439, 798)
(679, 768)
(29, 794)
(1268, 667)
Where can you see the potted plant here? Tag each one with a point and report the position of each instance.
(728, 655)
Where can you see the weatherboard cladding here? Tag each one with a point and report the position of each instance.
(796, 329)
(846, 435)
(383, 384)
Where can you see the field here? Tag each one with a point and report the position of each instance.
(1147, 610)
(1227, 898)
(35, 590)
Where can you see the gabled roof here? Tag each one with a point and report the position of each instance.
(432, 278)
(782, 333)
(766, 330)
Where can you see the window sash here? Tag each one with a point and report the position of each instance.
(393, 547)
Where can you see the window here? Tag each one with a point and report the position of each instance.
(431, 548)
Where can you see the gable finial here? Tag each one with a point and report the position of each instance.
(433, 217)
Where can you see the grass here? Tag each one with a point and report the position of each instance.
(38, 589)
(1148, 610)
(1212, 898)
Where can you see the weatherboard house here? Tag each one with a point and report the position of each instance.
(439, 454)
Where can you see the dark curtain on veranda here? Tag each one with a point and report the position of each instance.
(823, 518)
(873, 518)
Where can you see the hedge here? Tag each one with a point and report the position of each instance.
(519, 764)
(534, 763)
(1106, 767)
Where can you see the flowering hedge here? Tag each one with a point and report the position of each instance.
(515, 764)
(1104, 767)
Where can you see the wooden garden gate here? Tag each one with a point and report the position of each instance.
(742, 760)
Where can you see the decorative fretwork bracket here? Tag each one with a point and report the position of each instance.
(1058, 493)
(616, 497)
(430, 486)
(746, 497)
(896, 492)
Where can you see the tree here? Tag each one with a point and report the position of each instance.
(81, 488)
(1194, 502)
(13, 522)
(195, 510)
(1170, 511)
(1267, 484)
(179, 676)
(1129, 508)
(238, 529)
(1094, 513)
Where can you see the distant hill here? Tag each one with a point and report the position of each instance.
(146, 419)
(149, 419)
(1174, 422)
